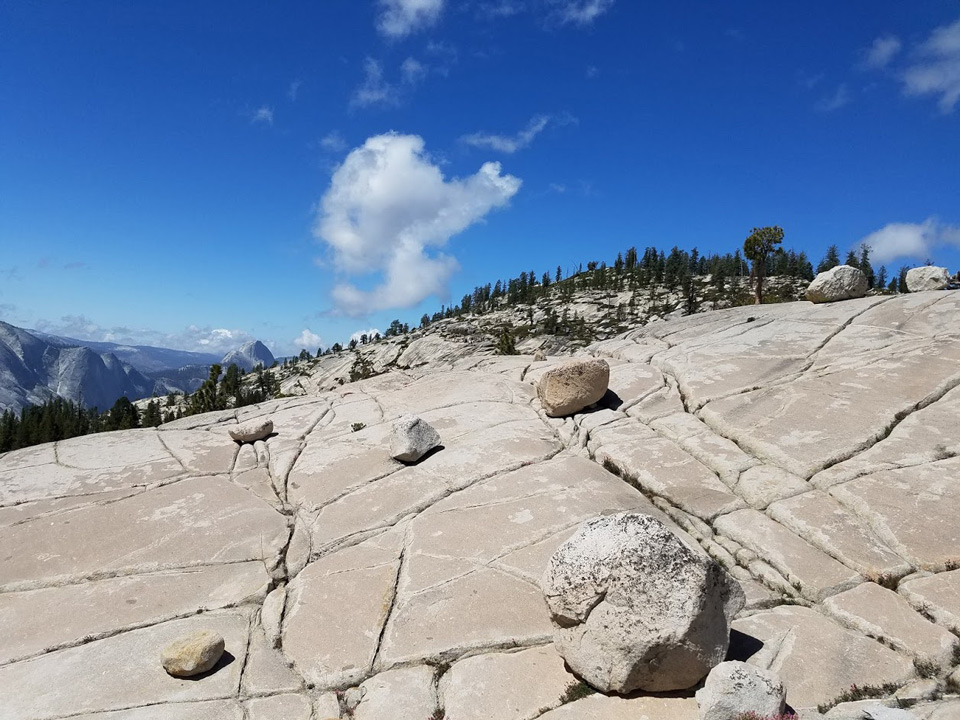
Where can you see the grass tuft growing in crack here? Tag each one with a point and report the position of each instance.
(859, 692)
(576, 691)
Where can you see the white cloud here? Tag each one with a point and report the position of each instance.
(910, 240)
(881, 52)
(834, 101)
(369, 333)
(262, 114)
(579, 12)
(294, 89)
(509, 144)
(217, 341)
(333, 142)
(412, 71)
(307, 340)
(399, 18)
(377, 90)
(387, 206)
(935, 69)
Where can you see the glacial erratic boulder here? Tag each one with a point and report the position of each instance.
(572, 386)
(928, 277)
(842, 282)
(412, 438)
(252, 430)
(735, 688)
(635, 606)
(192, 654)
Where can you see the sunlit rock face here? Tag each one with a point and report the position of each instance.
(810, 450)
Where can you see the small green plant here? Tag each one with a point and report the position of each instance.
(926, 668)
(357, 426)
(860, 692)
(576, 691)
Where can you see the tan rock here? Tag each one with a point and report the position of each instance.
(886, 616)
(602, 707)
(814, 574)
(252, 430)
(287, 707)
(811, 654)
(127, 672)
(937, 595)
(192, 654)
(572, 386)
(410, 691)
(35, 621)
(505, 685)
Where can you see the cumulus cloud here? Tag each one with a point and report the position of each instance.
(307, 340)
(262, 114)
(386, 211)
(194, 338)
(579, 12)
(399, 18)
(935, 69)
(910, 240)
(881, 52)
(369, 333)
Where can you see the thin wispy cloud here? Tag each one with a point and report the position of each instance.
(834, 101)
(881, 52)
(412, 71)
(918, 241)
(333, 142)
(935, 67)
(399, 18)
(510, 144)
(294, 89)
(262, 115)
(387, 212)
(377, 90)
(578, 12)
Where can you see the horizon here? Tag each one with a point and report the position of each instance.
(197, 177)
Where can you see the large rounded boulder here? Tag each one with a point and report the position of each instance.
(928, 277)
(635, 606)
(573, 385)
(842, 282)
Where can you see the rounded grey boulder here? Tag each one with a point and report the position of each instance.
(192, 654)
(635, 606)
(734, 688)
(412, 438)
(842, 282)
(928, 277)
(252, 430)
(572, 386)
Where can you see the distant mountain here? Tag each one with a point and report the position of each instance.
(145, 358)
(34, 369)
(248, 356)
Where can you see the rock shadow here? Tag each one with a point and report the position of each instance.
(742, 646)
(429, 454)
(226, 659)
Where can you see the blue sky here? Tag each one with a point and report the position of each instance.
(197, 174)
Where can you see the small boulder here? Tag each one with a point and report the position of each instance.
(636, 607)
(572, 386)
(539, 356)
(927, 278)
(192, 654)
(412, 438)
(842, 282)
(733, 688)
(252, 430)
